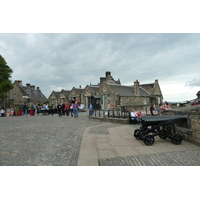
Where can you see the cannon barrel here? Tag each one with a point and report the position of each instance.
(156, 120)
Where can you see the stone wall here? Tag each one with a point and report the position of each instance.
(134, 102)
(113, 101)
(190, 133)
(16, 93)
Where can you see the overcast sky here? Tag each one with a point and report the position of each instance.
(62, 61)
(144, 40)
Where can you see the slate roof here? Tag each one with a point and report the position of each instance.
(79, 89)
(55, 93)
(127, 91)
(122, 90)
(34, 95)
(143, 92)
(95, 88)
(65, 91)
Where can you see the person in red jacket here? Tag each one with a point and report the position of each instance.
(67, 107)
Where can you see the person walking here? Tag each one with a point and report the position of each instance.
(35, 108)
(67, 107)
(91, 110)
(38, 109)
(75, 109)
(59, 107)
(2, 113)
(63, 108)
(24, 110)
(51, 110)
(71, 109)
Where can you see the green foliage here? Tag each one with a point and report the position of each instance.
(5, 74)
(19, 108)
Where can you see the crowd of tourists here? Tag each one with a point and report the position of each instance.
(63, 109)
(154, 111)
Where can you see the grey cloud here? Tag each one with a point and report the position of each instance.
(193, 82)
(67, 60)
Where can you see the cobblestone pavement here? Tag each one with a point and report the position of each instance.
(55, 141)
(41, 140)
(181, 158)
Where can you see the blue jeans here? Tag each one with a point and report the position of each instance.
(24, 112)
(75, 110)
(91, 112)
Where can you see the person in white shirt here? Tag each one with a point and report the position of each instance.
(134, 115)
(2, 113)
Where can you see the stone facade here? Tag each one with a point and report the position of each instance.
(89, 95)
(54, 98)
(63, 96)
(136, 101)
(75, 94)
(128, 97)
(110, 94)
(109, 98)
(20, 94)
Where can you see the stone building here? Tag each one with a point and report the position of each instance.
(110, 94)
(107, 79)
(128, 97)
(58, 97)
(29, 94)
(89, 95)
(63, 95)
(75, 94)
(53, 99)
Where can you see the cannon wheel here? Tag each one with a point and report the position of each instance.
(176, 139)
(136, 134)
(149, 140)
(163, 134)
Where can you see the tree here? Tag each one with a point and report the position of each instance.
(5, 73)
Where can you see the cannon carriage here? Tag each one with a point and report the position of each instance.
(163, 126)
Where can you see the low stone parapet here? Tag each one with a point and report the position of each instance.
(110, 119)
(192, 133)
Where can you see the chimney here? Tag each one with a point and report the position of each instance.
(80, 86)
(19, 82)
(28, 85)
(33, 87)
(137, 88)
(102, 79)
(108, 74)
(38, 88)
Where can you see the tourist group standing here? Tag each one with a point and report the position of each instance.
(68, 108)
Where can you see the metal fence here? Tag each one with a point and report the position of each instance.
(111, 113)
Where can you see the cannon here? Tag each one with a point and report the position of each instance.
(163, 126)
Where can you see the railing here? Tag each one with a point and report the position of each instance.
(111, 113)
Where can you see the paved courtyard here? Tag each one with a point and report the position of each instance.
(66, 141)
(41, 140)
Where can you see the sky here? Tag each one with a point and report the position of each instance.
(56, 61)
(66, 44)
